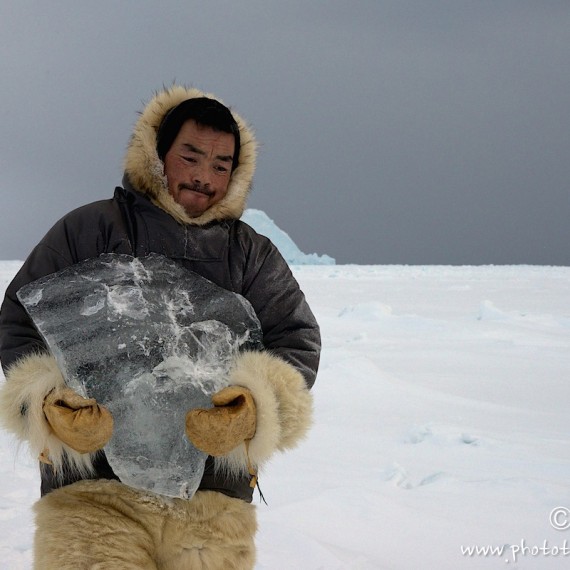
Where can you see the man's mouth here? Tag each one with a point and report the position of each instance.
(198, 189)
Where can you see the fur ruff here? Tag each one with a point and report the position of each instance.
(284, 409)
(107, 525)
(146, 171)
(28, 382)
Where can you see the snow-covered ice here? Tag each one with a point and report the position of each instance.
(441, 425)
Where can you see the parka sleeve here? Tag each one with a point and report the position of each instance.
(290, 329)
(280, 377)
(31, 371)
(18, 335)
(83, 233)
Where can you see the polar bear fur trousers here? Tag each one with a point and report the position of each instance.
(105, 525)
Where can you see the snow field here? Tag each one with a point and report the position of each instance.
(441, 423)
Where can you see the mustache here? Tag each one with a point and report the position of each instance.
(197, 187)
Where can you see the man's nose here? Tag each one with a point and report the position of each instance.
(202, 175)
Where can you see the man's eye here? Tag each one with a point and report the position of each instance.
(222, 169)
(189, 159)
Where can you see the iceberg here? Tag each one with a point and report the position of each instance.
(264, 225)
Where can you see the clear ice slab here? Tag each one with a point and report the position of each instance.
(150, 340)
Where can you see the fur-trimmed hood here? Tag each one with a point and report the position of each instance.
(145, 170)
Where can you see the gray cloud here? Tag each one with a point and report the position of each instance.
(392, 132)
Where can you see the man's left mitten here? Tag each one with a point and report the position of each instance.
(81, 423)
(229, 423)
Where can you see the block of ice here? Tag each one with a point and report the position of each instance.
(150, 340)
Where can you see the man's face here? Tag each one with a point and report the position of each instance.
(198, 167)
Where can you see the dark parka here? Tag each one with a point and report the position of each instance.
(141, 219)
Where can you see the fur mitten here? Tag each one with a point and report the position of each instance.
(283, 406)
(79, 422)
(22, 397)
(220, 429)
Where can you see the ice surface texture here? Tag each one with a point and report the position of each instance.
(150, 340)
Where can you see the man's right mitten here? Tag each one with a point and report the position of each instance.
(81, 423)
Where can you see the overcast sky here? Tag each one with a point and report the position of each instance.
(425, 132)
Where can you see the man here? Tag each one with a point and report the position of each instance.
(188, 171)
